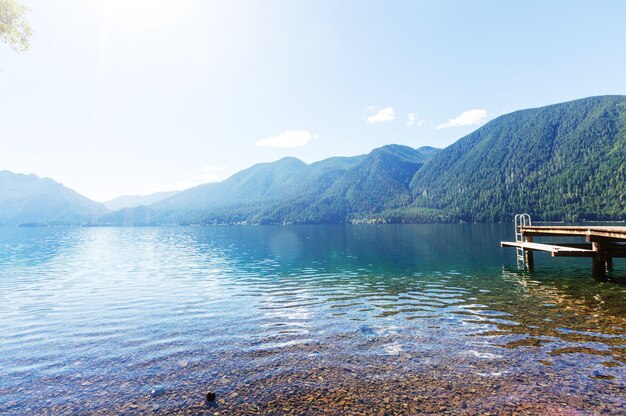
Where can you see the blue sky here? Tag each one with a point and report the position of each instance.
(136, 96)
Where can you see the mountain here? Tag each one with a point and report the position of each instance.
(561, 162)
(373, 183)
(260, 183)
(131, 201)
(235, 199)
(381, 181)
(289, 190)
(31, 199)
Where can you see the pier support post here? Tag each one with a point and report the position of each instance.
(609, 263)
(529, 258)
(600, 260)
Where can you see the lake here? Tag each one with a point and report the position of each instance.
(320, 319)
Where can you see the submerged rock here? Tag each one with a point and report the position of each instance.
(366, 329)
(157, 391)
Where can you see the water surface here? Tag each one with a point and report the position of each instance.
(303, 319)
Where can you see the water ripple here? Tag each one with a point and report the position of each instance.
(101, 306)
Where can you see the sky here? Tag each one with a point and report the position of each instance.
(130, 97)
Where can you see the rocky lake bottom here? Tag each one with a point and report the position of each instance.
(367, 319)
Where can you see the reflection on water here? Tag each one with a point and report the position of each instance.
(93, 319)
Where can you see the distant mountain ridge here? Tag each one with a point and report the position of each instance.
(31, 199)
(289, 190)
(560, 162)
(132, 201)
(369, 184)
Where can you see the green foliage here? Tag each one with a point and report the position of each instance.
(408, 215)
(14, 29)
(290, 191)
(375, 183)
(564, 162)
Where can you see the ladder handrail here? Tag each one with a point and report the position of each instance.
(521, 220)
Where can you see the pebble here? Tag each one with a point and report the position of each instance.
(388, 385)
(366, 329)
(157, 391)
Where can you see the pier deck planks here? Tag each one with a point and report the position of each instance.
(603, 244)
(556, 250)
(618, 233)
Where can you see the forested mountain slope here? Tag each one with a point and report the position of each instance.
(561, 162)
(289, 190)
(378, 182)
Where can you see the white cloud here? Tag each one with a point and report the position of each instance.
(413, 121)
(379, 116)
(290, 138)
(472, 117)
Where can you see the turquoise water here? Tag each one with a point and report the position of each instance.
(106, 320)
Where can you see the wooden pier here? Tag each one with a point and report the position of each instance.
(602, 243)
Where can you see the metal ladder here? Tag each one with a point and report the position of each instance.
(521, 220)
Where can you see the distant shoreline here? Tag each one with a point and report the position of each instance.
(364, 222)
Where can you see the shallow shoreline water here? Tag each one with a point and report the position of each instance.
(361, 319)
